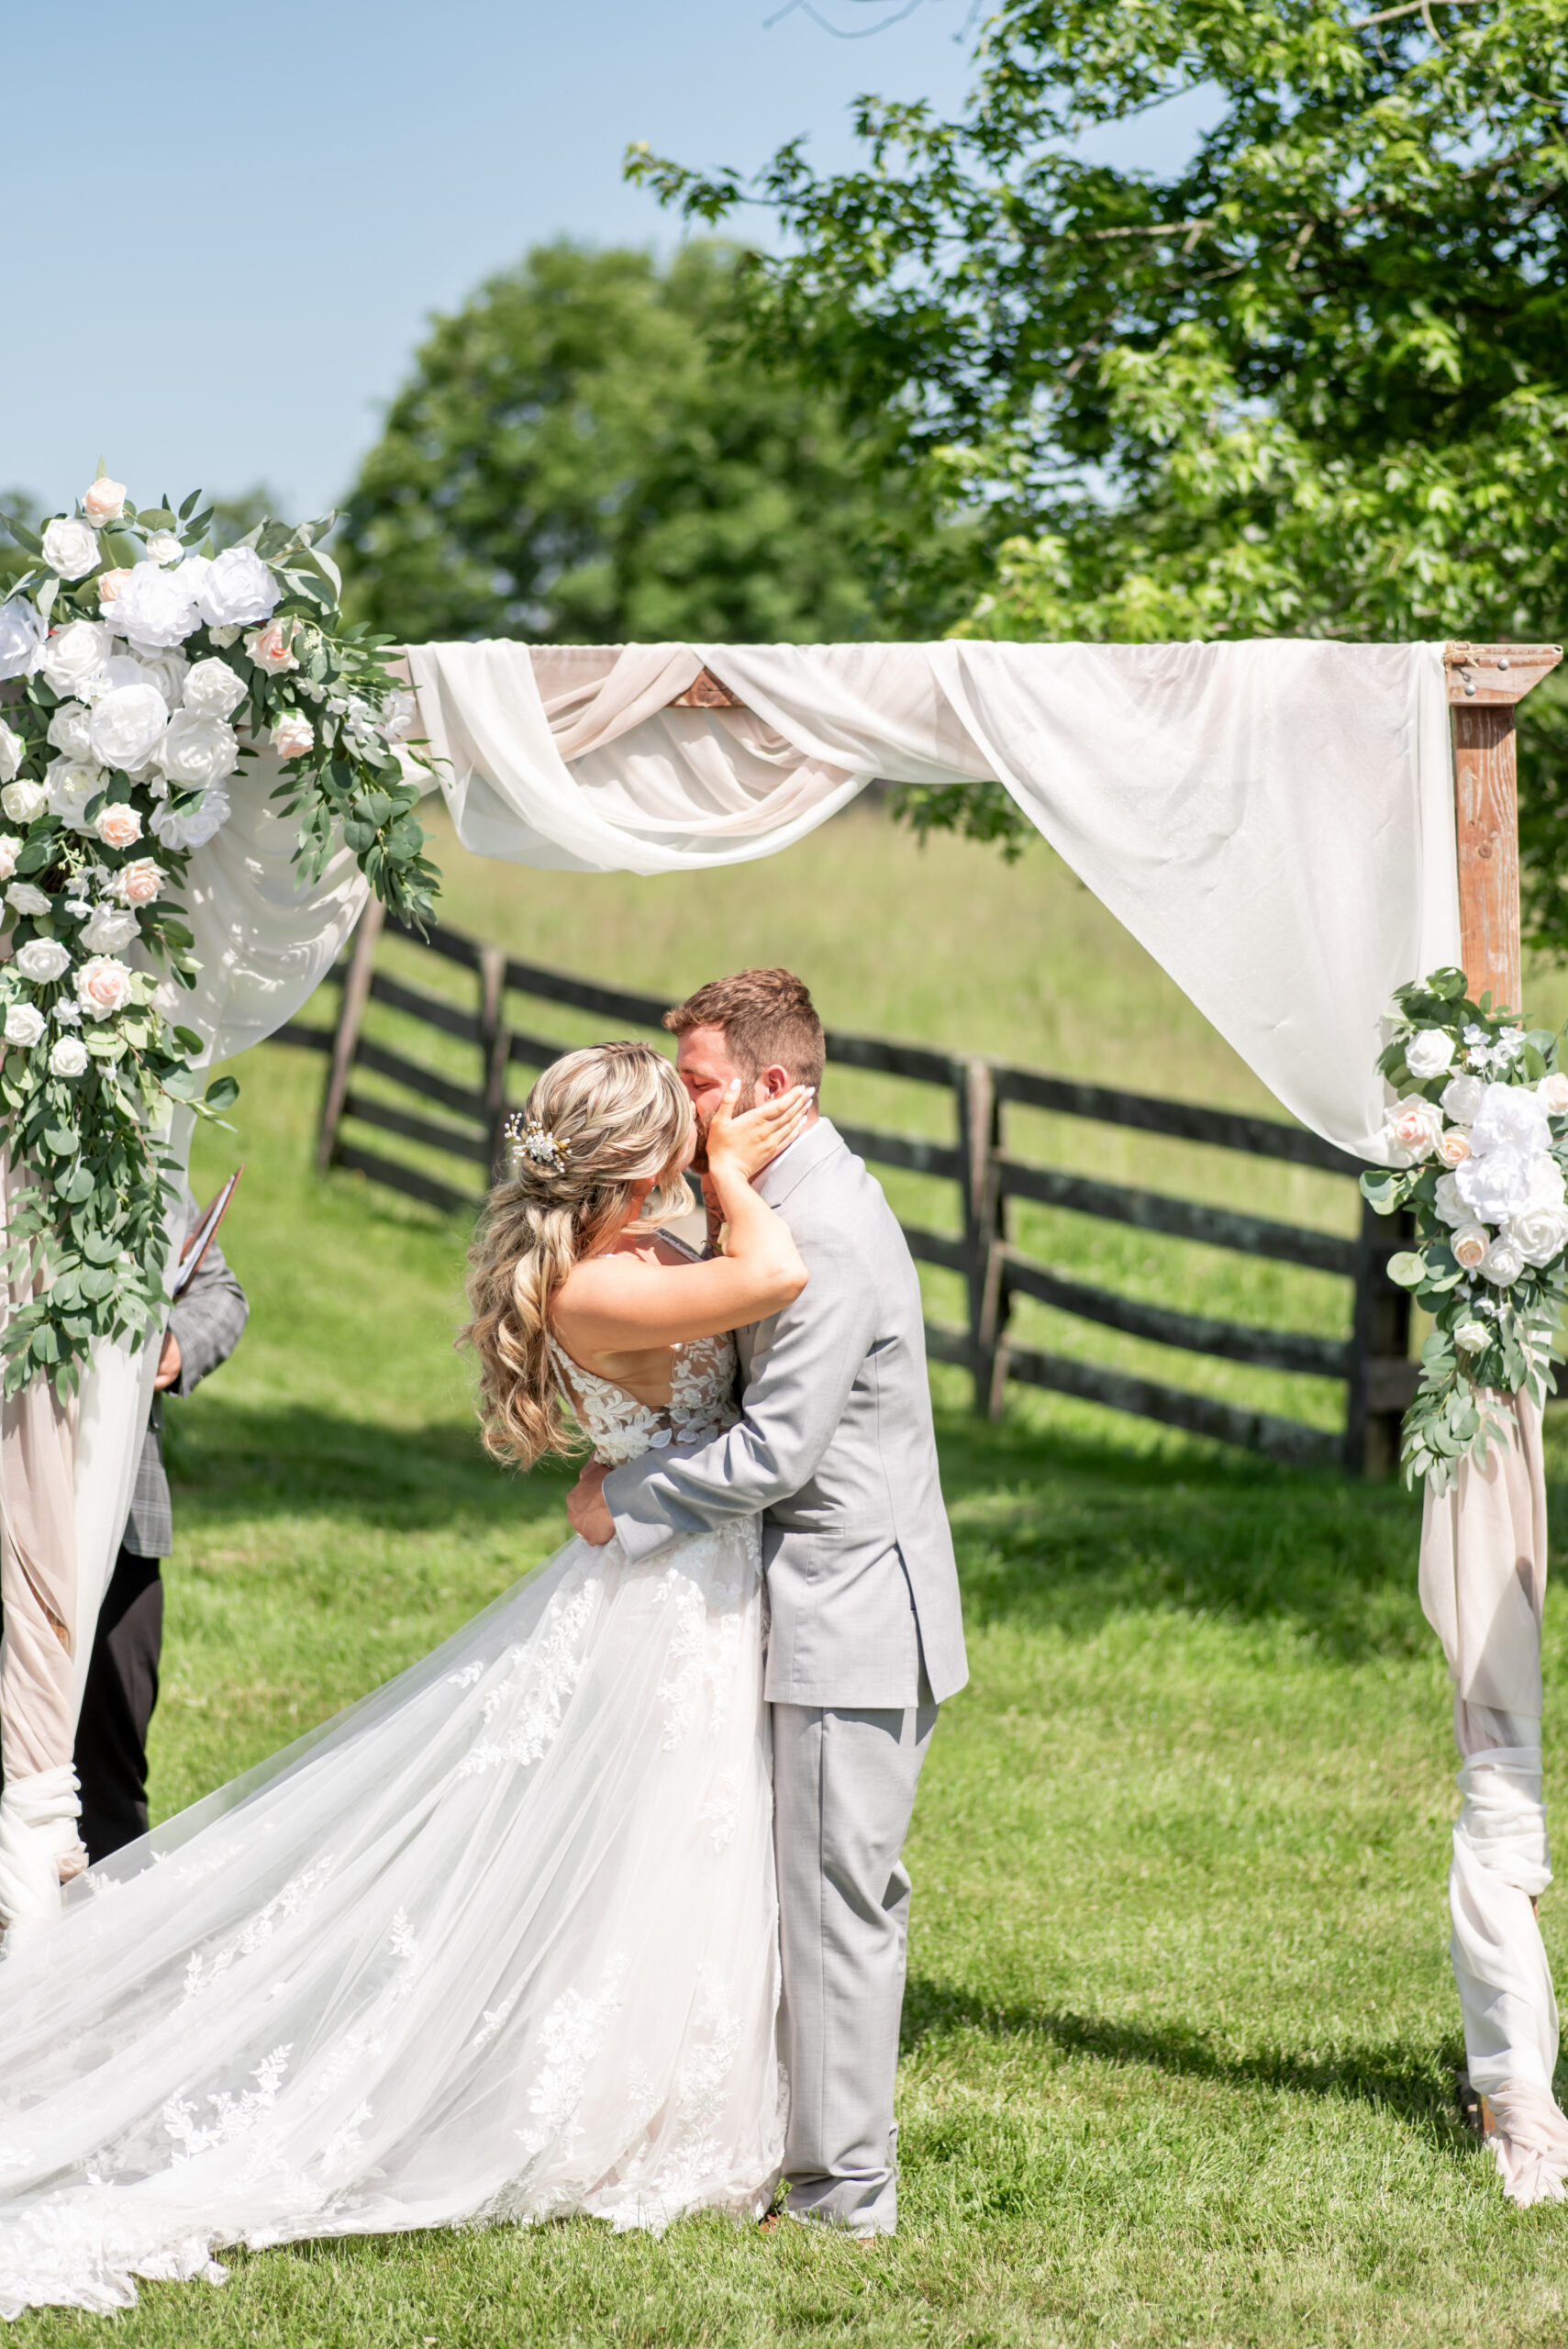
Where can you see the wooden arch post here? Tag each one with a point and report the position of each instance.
(1484, 682)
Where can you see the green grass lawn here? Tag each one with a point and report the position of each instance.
(1180, 2031)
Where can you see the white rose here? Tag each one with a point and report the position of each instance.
(192, 826)
(69, 1057)
(1414, 1125)
(22, 633)
(1471, 1337)
(23, 899)
(1450, 1206)
(1470, 1244)
(118, 825)
(43, 960)
(1502, 1261)
(72, 784)
(24, 801)
(199, 750)
(75, 653)
(164, 547)
(1510, 1118)
(12, 751)
(156, 608)
(71, 546)
(109, 930)
(236, 589)
(168, 672)
(224, 636)
(1496, 1186)
(293, 737)
(10, 850)
(24, 1024)
(1540, 1234)
(126, 727)
(213, 689)
(68, 730)
(1428, 1052)
(1553, 1093)
(102, 986)
(105, 501)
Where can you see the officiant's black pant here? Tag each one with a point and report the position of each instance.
(116, 1710)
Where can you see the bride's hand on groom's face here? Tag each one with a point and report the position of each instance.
(586, 1508)
(742, 1141)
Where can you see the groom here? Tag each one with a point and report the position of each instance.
(837, 1451)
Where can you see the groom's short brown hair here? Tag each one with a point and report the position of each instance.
(768, 1018)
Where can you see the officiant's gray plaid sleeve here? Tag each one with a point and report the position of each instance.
(208, 1320)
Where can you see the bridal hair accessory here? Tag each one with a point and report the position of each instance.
(534, 1142)
(1477, 1152)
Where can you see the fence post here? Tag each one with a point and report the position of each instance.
(1382, 1375)
(495, 1044)
(980, 1139)
(350, 1014)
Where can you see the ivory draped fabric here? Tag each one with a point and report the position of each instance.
(264, 941)
(1273, 822)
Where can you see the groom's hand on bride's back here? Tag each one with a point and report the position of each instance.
(587, 1509)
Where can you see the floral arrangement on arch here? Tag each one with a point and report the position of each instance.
(140, 670)
(1478, 1148)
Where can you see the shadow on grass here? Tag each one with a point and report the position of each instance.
(1412, 2083)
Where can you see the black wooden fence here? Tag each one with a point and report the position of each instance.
(1373, 1361)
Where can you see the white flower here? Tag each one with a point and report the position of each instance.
(10, 850)
(1428, 1052)
(105, 501)
(109, 930)
(199, 750)
(68, 728)
(1471, 1337)
(69, 1057)
(23, 899)
(1450, 1206)
(43, 960)
(75, 653)
(1470, 1244)
(22, 633)
(397, 718)
(102, 986)
(168, 672)
(67, 1015)
(156, 607)
(162, 546)
(1553, 1093)
(24, 1024)
(236, 588)
(1509, 1135)
(118, 825)
(71, 546)
(213, 689)
(72, 784)
(12, 751)
(126, 727)
(138, 883)
(24, 800)
(224, 636)
(1540, 1234)
(272, 648)
(293, 737)
(1503, 1262)
(1413, 1128)
(192, 826)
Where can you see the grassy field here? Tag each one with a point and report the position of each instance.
(1180, 2031)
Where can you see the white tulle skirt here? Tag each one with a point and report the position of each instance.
(499, 1942)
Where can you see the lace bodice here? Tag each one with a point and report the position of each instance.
(619, 1427)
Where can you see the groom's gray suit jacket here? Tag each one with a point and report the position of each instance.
(836, 1450)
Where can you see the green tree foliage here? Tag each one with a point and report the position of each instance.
(1313, 382)
(583, 456)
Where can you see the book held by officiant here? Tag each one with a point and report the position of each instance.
(204, 1235)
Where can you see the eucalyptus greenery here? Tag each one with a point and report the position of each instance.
(142, 670)
(1486, 1192)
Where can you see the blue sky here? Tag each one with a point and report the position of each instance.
(241, 217)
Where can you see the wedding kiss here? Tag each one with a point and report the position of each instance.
(599, 1909)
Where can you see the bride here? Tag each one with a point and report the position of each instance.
(500, 1941)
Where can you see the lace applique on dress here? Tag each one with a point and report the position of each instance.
(621, 1428)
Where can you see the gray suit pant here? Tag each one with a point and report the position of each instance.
(844, 1786)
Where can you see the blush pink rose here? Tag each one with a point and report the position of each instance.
(139, 883)
(1415, 1125)
(1470, 1244)
(1553, 1095)
(269, 647)
(105, 501)
(109, 585)
(102, 986)
(1454, 1147)
(293, 737)
(119, 826)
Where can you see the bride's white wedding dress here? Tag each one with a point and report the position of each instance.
(499, 1942)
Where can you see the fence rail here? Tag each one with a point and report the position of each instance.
(1372, 1362)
